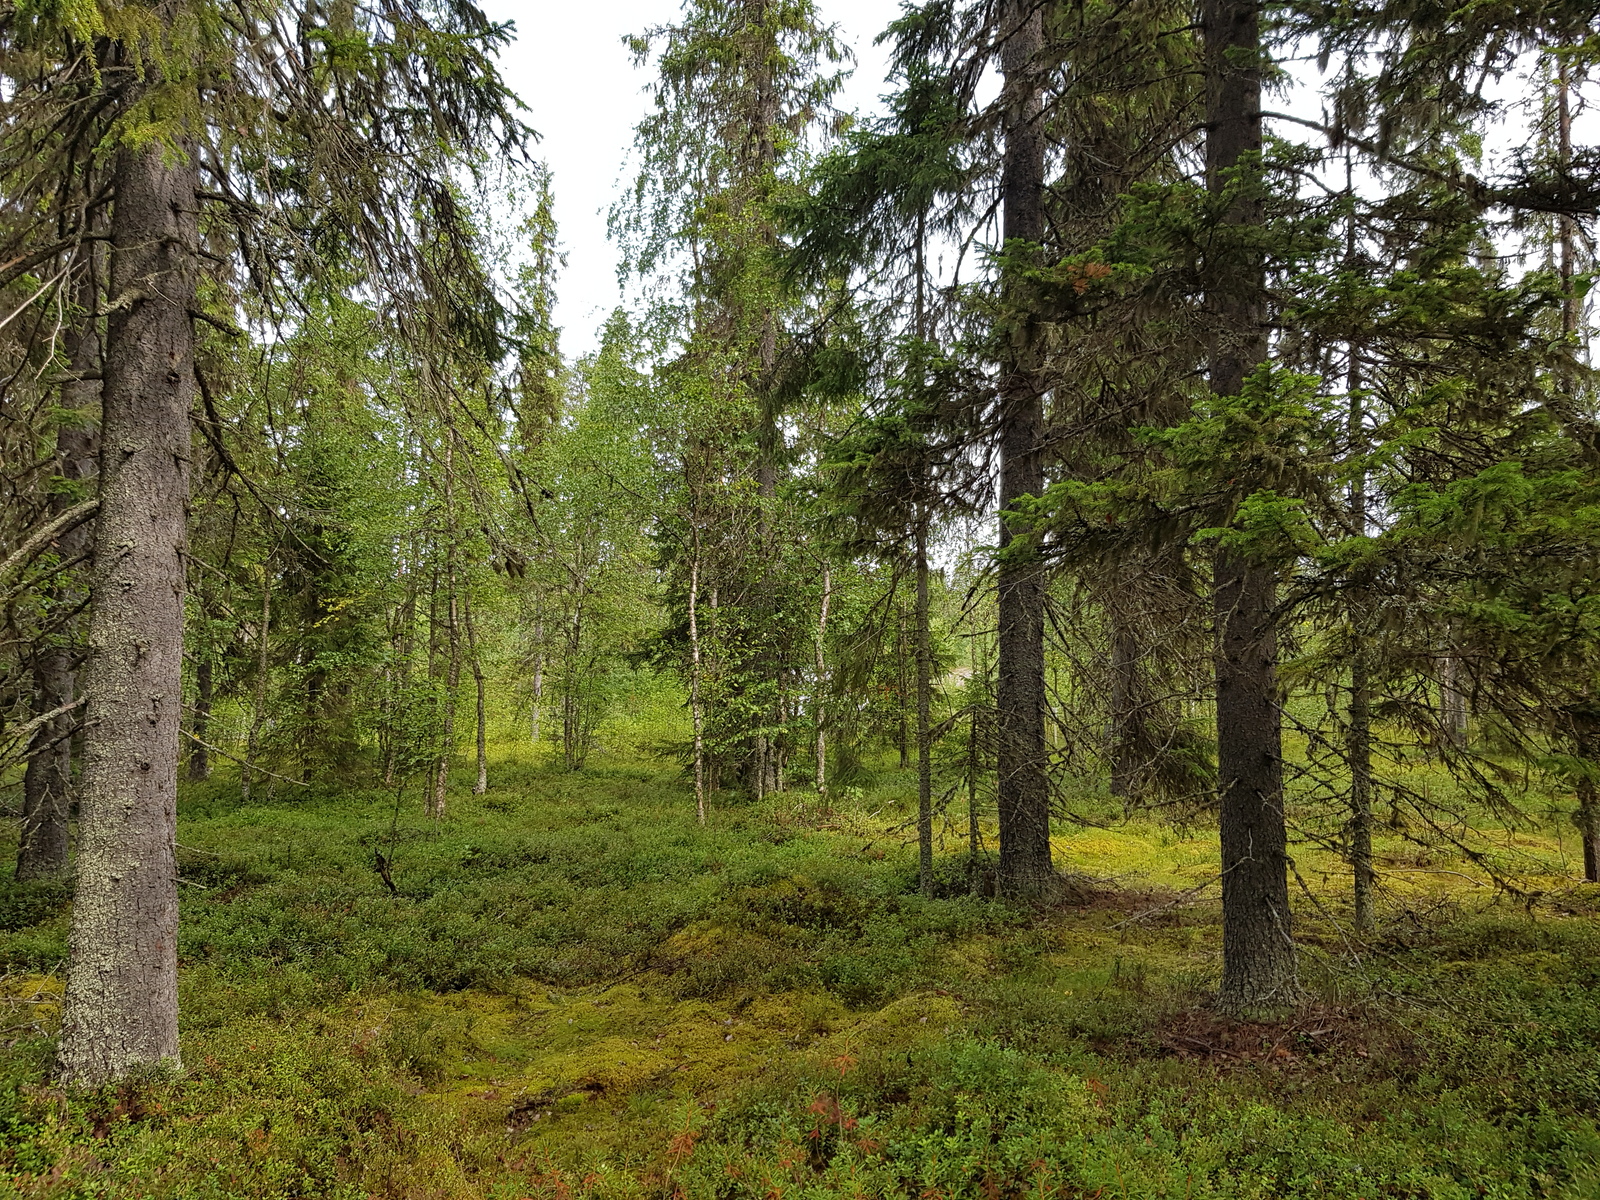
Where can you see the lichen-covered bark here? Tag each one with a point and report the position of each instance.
(121, 1006)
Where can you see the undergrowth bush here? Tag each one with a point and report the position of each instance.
(573, 991)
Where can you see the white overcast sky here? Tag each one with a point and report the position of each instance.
(584, 96)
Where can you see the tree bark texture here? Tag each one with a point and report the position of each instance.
(1127, 714)
(538, 681)
(1567, 228)
(1258, 959)
(821, 705)
(1452, 702)
(120, 1011)
(258, 710)
(47, 784)
(1360, 754)
(481, 785)
(696, 709)
(1024, 868)
(903, 687)
(924, 701)
(452, 684)
(199, 754)
(1589, 829)
(1586, 740)
(42, 844)
(1359, 746)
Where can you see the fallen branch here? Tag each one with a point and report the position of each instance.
(1173, 903)
(1433, 871)
(242, 763)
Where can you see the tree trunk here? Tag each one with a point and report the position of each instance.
(1452, 702)
(1571, 311)
(711, 636)
(120, 1011)
(974, 765)
(1589, 829)
(1359, 747)
(397, 697)
(696, 712)
(47, 783)
(820, 706)
(1586, 741)
(1024, 794)
(482, 784)
(924, 703)
(1258, 960)
(1126, 713)
(447, 737)
(758, 767)
(258, 712)
(538, 675)
(902, 692)
(447, 746)
(1360, 754)
(204, 695)
(1566, 226)
(571, 719)
(973, 832)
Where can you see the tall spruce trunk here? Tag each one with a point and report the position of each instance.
(204, 697)
(1586, 741)
(1360, 754)
(1127, 714)
(1452, 701)
(1587, 744)
(1567, 228)
(903, 687)
(924, 704)
(439, 798)
(1359, 740)
(42, 839)
(481, 784)
(47, 784)
(696, 708)
(1258, 958)
(258, 708)
(1024, 869)
(821, 705)
(120, 1011)
(572, 745)
(401, 637)
(538, 680)
(1589, 829)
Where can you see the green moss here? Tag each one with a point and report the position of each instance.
(578, 992)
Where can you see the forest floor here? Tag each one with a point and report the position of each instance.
(571, 990)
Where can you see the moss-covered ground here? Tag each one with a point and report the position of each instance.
(573, 991)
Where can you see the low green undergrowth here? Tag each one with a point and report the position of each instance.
(567, 988)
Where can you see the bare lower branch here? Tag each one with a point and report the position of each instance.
(247, 766)
(67, 521)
